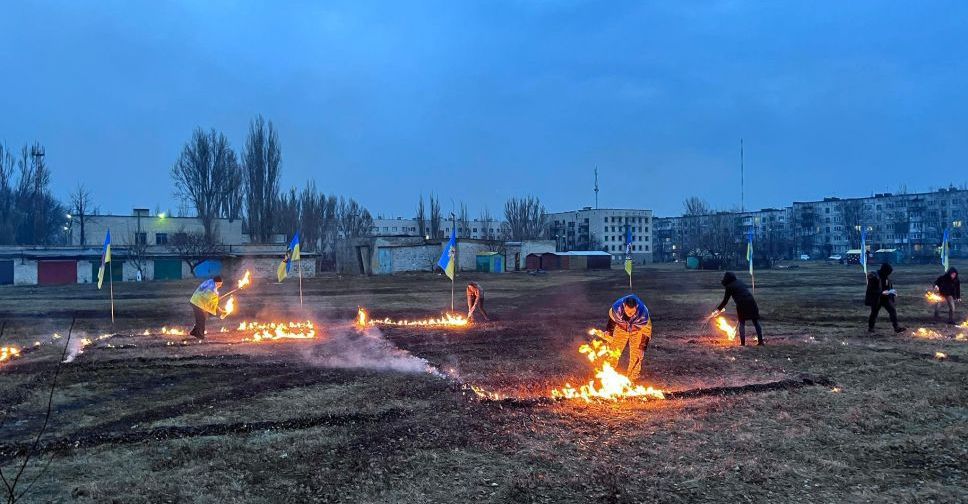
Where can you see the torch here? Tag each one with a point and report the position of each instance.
(243, 283)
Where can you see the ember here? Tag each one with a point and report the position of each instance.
(940, 355)
(445, 320)
(611, 385)
(172, 332)
(926, 333)
(9, 353)
(276, 331)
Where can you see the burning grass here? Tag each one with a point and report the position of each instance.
(445, 320)
(274, 331)
(608, 384)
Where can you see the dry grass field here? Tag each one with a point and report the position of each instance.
(356, 417)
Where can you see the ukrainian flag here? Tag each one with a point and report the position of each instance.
(105, 259)
(946, 250)
(863, 248)
(448, 258)
(628, 251)
(292, 254)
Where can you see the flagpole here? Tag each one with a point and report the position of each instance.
(111, 284)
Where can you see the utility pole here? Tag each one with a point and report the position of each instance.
(596, 187)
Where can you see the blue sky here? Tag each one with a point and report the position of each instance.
(477, 101)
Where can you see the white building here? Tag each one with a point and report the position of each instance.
(476, 229)
(603, 229)
(142, 228)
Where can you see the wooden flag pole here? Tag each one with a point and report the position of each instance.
(111, 284)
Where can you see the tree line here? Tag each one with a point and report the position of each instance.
(524, 219)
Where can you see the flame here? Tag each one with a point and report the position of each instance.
(229, 307)
(726, 328)
(963, 325)
(246, 280)
(172, 332)
(611, 384)
(362, 318)
(445, 320)
(940, 355)
(933, 297)
(271, 331)
(960, 337)
(9, 353)
(926, 333)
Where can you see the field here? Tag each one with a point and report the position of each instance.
(357, 417)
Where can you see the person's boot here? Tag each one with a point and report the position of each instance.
(900, 329)
(759, 342)
(870, 330)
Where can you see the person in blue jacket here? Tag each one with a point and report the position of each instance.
(629, 324)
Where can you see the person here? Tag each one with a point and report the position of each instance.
(475, 301)
(204, 303)
(881, 294)
(949, 287)
(746, 307)
(629, 324)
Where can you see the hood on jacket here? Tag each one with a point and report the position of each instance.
(885, 270)
(728, 278)
(951, 270)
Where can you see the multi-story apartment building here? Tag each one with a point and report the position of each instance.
(603, 229)
(912, 223)
(476, 229)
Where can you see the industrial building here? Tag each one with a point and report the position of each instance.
(603, 229)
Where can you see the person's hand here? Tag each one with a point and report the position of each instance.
(937, 288)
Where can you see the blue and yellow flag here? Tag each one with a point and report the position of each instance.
(946, 250)
(448, 258)
(628, 251)
(863, 248)
(292, 254)
(105, 259)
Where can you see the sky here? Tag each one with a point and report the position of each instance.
(477, 101)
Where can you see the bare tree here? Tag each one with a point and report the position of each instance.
(488, 222)
(137, 252)
(80, 208)
(463, 222)
(421, 217)
(194, 248)
(695, 205)
(854, 214)
(39, 214)
(8, 208)
(436, 231)
(311, 203)
(329, 235)
(526, 218)
(261, 162)
(352, 220)
(203, 175)
(287, 213)
(13, 481)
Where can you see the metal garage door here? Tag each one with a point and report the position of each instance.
(56, 272)
(168, 269)
(6, 272)
(115, 268)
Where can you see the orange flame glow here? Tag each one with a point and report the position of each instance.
(933, 297)
(608, 384)
(278, 330)
(229, 307)
(926, 334)
(172, 332)
(445, 320)
(9, 353)
(246, 280)
(940, 355)
(726, 328)
(362, 318)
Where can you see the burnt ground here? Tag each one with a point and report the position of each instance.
(824, 413)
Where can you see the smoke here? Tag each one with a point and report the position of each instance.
(345, 347)
(76, 347)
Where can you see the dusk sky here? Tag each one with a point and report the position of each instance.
(478, 101)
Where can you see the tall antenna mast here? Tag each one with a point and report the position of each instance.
(742, 179)
(596, 187)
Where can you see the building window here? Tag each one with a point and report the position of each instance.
(161, 238)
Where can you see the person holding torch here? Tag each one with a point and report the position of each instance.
(204, 303)
(949, 288)
(629, 324)
(881, 294)
(746, 307)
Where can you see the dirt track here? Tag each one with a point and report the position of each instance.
(227, 420)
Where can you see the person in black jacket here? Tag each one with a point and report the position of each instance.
(746, 308)
(881, 294)
(949, 287)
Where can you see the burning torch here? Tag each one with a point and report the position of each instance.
(241, 284)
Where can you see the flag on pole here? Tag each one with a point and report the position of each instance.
(448, 257)
(628, 252)
(292, 254)
(863, 248)
(105, 259)
(749, 249)
(945, 250)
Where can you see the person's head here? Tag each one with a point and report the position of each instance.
(953, 273)
(885, 270)
(728, 278)
(630, 306)
(218, 280)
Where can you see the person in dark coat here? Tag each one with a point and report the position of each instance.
(881, 294)
(949, 287)
(746, 308)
